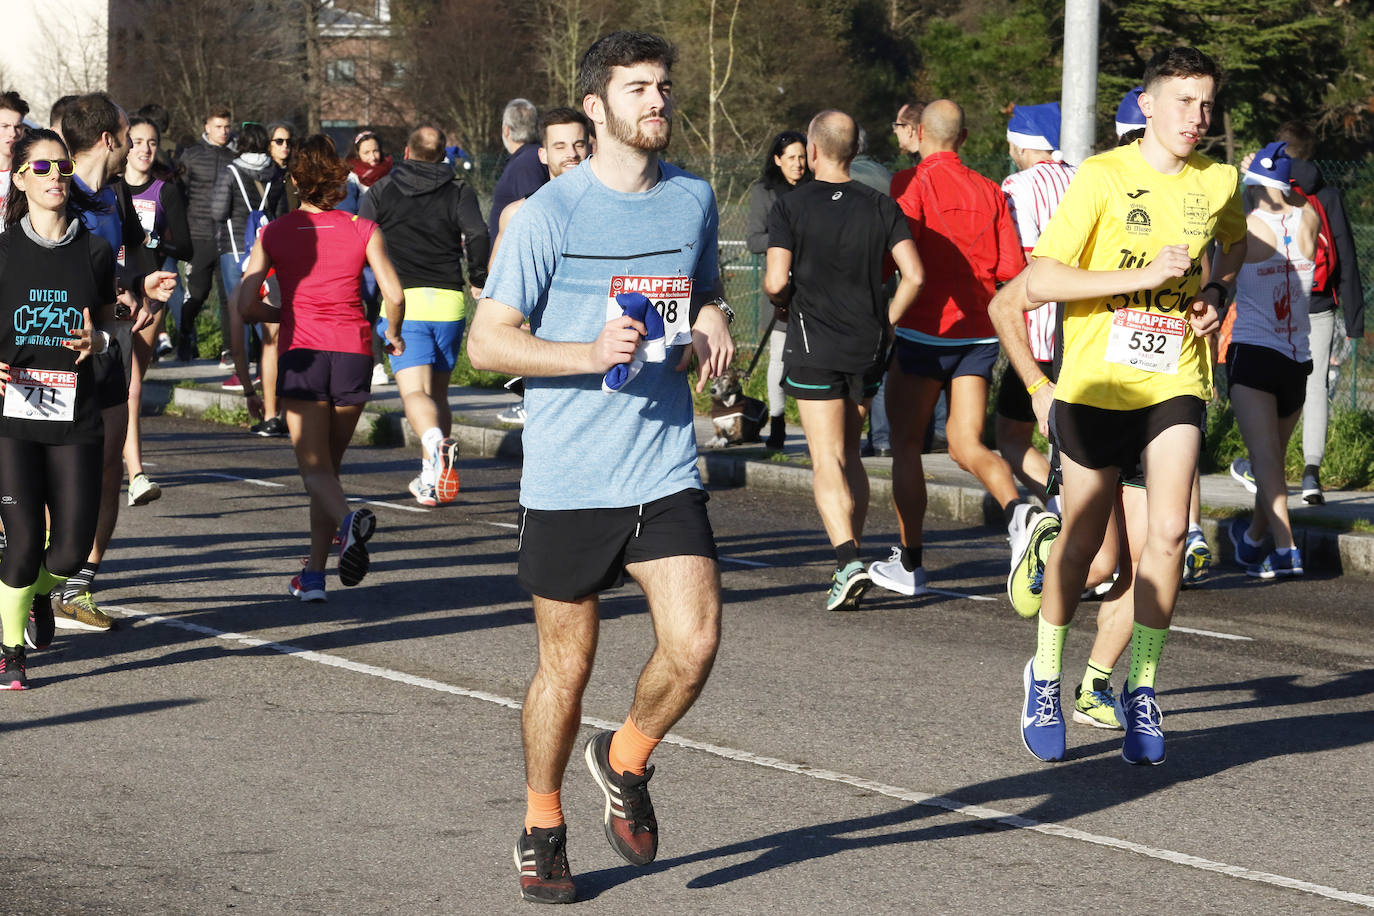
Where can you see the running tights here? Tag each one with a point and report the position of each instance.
(65, 479)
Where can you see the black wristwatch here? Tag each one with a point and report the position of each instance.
(725, 309)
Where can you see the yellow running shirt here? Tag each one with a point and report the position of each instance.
(1136, 350)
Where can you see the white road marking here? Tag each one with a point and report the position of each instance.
(1211, 633)
(510, 525)
(953, 806)
(954, 594)
(738, 562)
(378, 502)
(253, 480)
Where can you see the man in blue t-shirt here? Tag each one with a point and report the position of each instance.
(614, 265)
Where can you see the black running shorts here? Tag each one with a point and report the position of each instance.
(1269, 371)
(808, 383)
(569, 554)
(342, 379)
(1012, 400)
(1096, 437)
(945, 363)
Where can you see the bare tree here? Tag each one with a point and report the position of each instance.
(72, 58)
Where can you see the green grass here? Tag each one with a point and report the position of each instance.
(234, 416)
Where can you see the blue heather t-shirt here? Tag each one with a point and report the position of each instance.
(585, 449)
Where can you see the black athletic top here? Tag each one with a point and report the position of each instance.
(839, 235)
(42, 293)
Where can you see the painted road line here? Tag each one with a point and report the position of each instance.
(738, 562)
(510, 525)
(253, 480)
(378, 502)
(953, 806)
(953, 594)
(1211, 633)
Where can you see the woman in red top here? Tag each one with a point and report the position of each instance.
(324, 365)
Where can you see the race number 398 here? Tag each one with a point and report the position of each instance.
(40, 394)
(671, 297)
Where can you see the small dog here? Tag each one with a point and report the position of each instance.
(737, 418)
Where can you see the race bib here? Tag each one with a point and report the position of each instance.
(41, 394)
(671, 296)
(1146, 340)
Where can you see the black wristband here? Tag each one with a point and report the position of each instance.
(1221, 288)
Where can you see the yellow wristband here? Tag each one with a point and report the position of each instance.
(1041, 383)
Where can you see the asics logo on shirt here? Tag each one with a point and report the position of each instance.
(44, 319)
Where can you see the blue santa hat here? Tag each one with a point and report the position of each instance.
(1129, 117)
(1035, 127)
(652, 347)
(1271, 167)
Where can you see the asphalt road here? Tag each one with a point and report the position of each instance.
(228, 749)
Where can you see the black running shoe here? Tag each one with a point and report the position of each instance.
(541, 858)
(38, 632)
(630, 823)
(13, 670)
(357, 527)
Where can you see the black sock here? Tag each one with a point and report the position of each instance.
(911, 558)
(847, 553)
(81, 582)
(1010, 509)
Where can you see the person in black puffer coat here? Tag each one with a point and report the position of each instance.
(200, 166)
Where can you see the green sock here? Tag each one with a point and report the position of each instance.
(1147, 644)
(47, 581)
(14, 612)
(1049, 650)
(1095, 672)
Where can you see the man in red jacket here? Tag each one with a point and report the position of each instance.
(965, 235)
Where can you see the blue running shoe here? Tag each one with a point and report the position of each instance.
(1139, 714)
(1276, 565)
(1042, 721)
(308, 586)
(1247, 557)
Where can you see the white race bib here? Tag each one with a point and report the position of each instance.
(671, 296)
(1146, 340)
(40, 394)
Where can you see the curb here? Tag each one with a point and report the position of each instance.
(1323, 550)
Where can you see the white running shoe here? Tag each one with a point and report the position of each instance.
(1019, 529)
(379, 376)
(513, 415)
(891, 575)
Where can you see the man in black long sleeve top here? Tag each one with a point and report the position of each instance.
(432, 221)
(200, 165)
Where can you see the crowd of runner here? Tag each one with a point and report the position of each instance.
(598, 286)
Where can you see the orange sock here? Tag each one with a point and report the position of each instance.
(543, 810)
(630, 749)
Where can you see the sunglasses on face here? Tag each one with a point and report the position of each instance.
(281, 141)
(43, 167)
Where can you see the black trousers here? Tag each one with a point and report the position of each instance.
(66, 480)
(204, 272)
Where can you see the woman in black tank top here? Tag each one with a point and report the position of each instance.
(53, 276)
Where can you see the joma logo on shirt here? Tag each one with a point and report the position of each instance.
(42, 319)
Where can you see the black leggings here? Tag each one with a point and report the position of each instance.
(202, 276)
(65, 479)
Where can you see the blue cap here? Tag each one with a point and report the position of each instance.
(1035, 126)
(1271, 168)
(1129, 117)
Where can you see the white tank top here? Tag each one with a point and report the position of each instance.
(1273, 295)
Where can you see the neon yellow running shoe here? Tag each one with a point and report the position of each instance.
(1097, 707)
(1027, 577)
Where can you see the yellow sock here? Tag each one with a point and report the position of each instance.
(1049, 650)
(1147, 644)
(630, 749)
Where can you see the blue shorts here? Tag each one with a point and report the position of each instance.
(945, 363)
(428, 343)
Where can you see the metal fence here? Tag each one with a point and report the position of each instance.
(743, 271)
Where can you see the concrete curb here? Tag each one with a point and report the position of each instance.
(1323, 550)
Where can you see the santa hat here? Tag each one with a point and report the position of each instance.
(651, 349)
(1271, 167)
(1129, 117)
(1035, 127)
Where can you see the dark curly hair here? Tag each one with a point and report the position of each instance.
(319, 173)
(17, 203)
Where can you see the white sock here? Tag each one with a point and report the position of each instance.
(430, 443)
(1194, 528)
(1251, 542)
